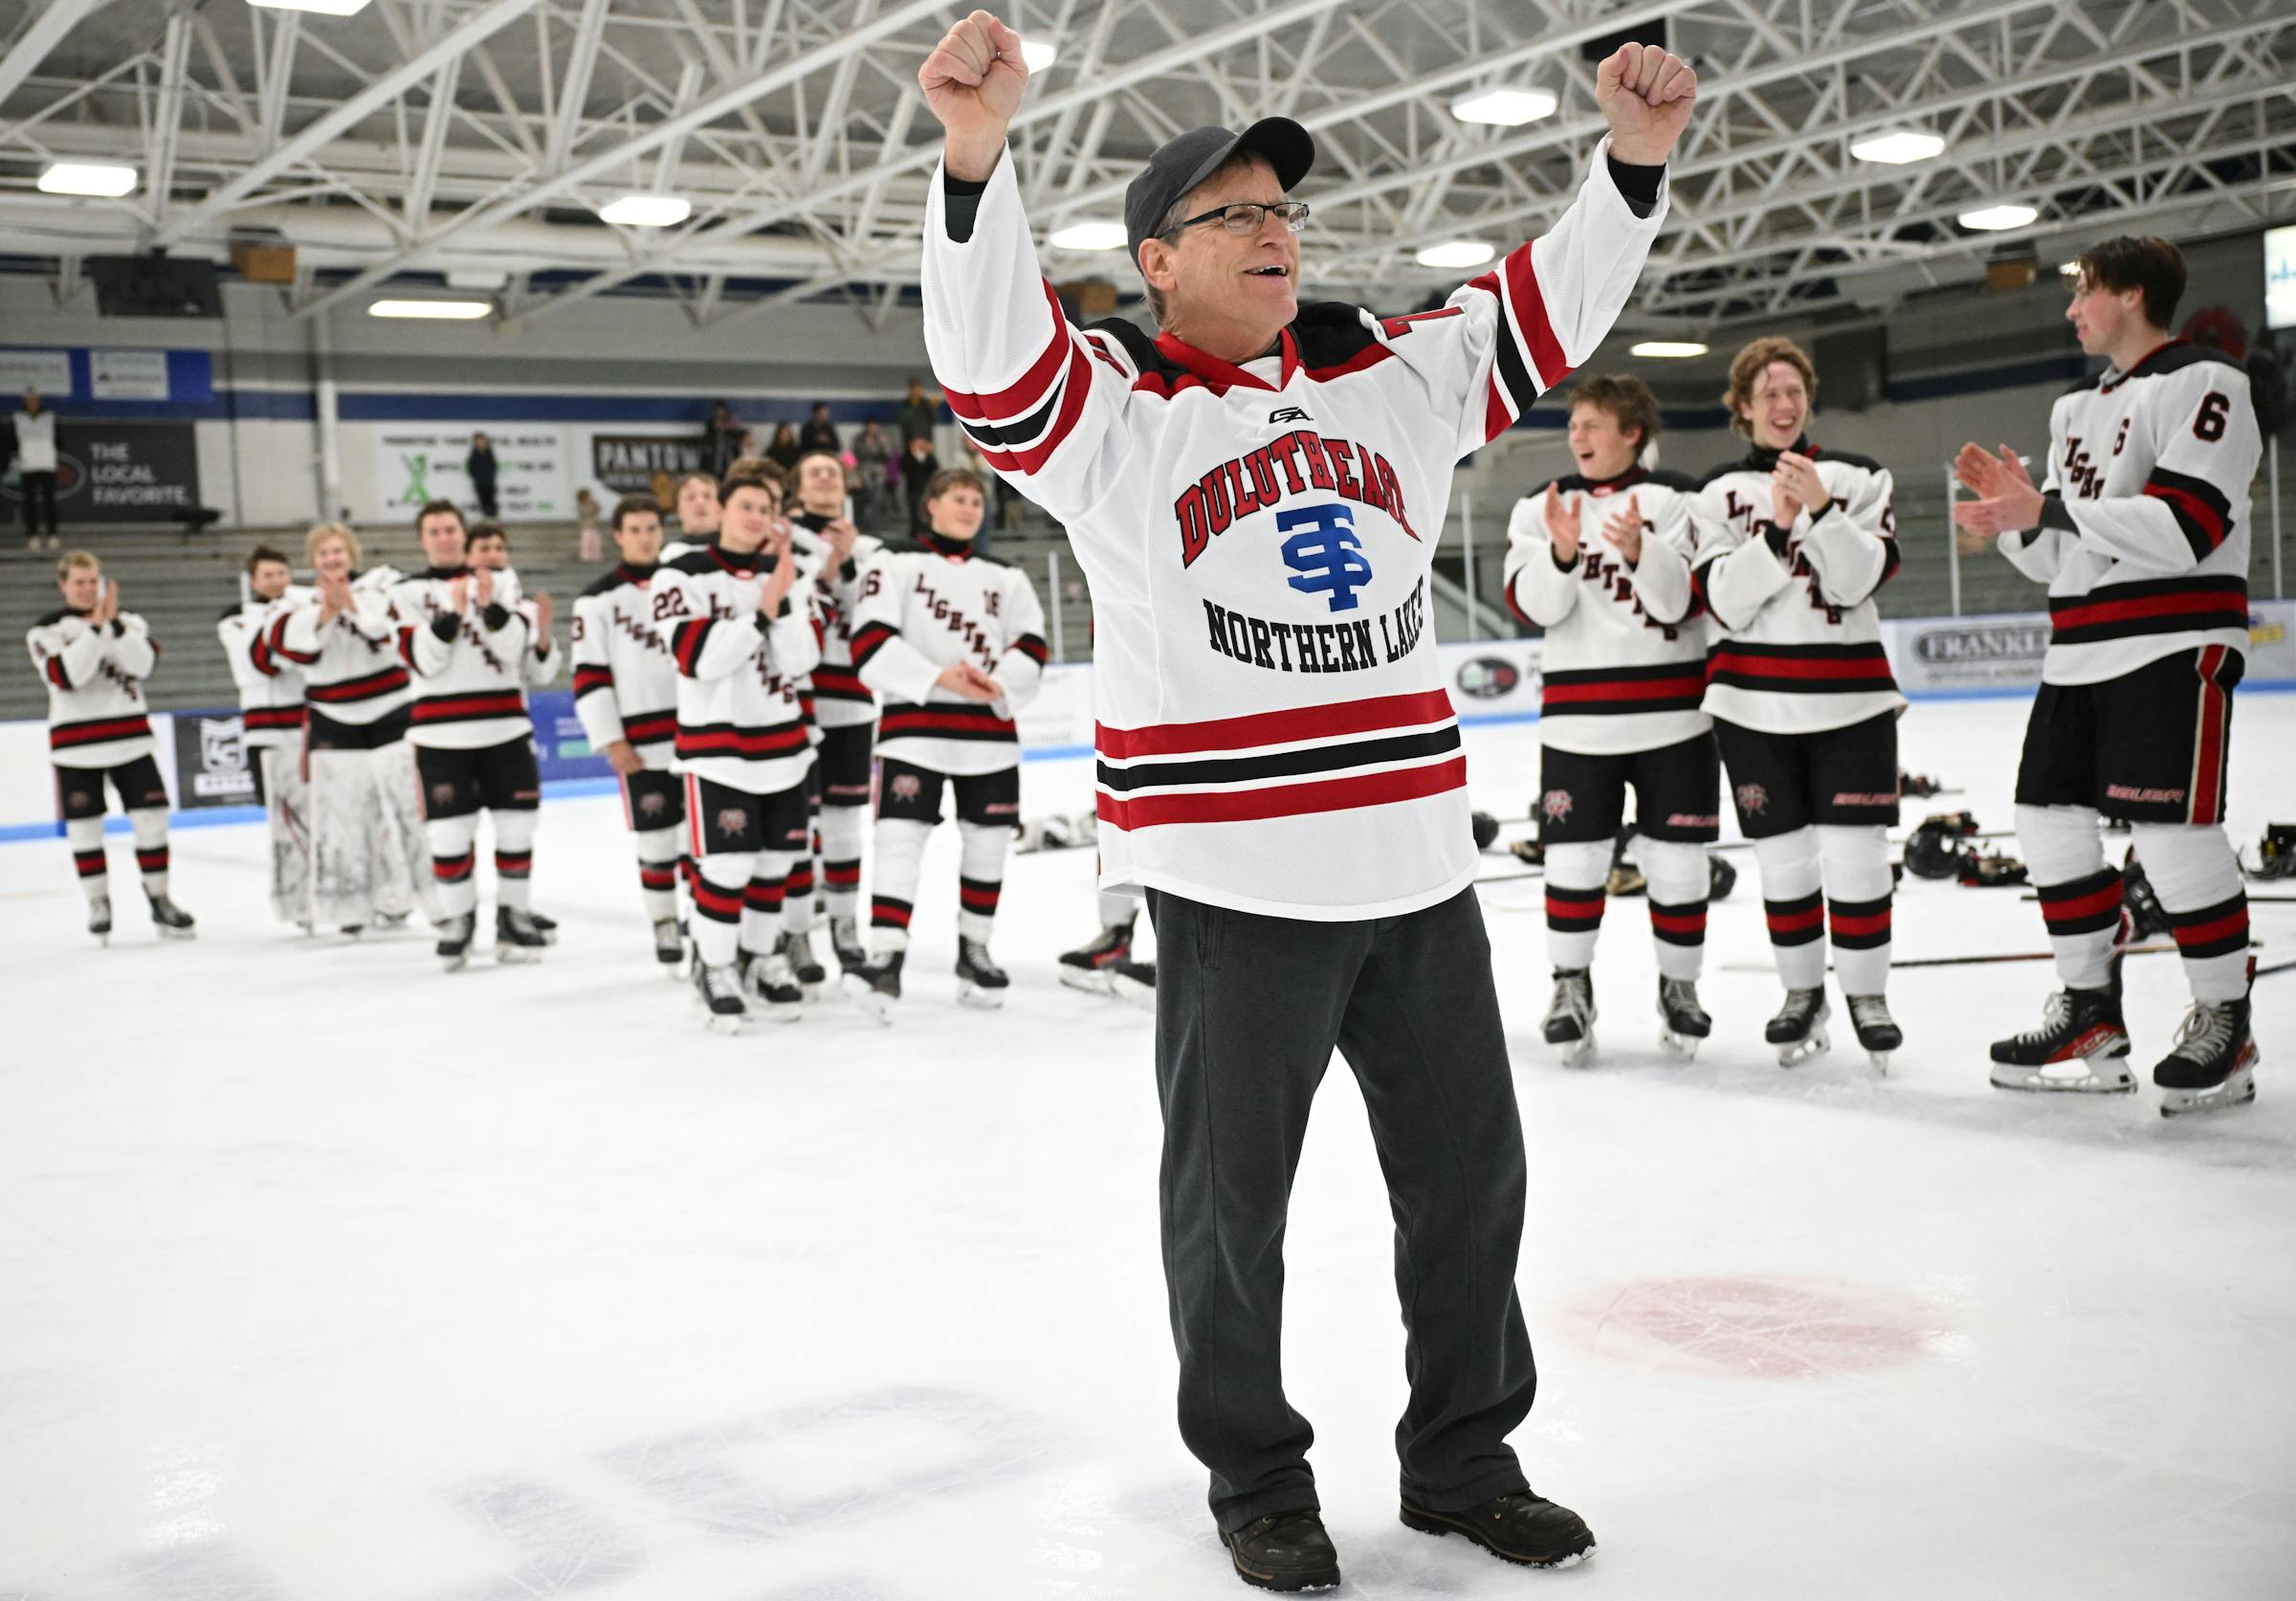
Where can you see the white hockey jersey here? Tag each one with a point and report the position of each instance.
(471, 669)
(840, 698)
(625, 678)
(921, 609)
(1274, 735)
(97, 717)
(1799, 647)
(740, 720)
(271, 687)
(2144, 524)
(1623, 666)
(354, 677)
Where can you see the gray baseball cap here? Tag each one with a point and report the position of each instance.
(1188, 160)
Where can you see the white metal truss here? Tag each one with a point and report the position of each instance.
(424, 135)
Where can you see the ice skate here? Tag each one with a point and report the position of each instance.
(1877, 1031)
(1135, 981)
(2213, 1065)
(99, 918)
(668, 943)
(1682, 1021)
(1091, 966)
(515, 937)
(454, 946)
(798, 950)
(2081, 1046)
(980, 982)
(1798, 1030)
(719, 989)
(171, 921)
(545, 926)
(876, 986)
(844, 941)
(386, 921)
(772, 982)
(1570, 1021)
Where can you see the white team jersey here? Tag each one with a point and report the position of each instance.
(271, 689)
(923, 609)
(840, 698)
(95, 676)
(1799, 647)
(625, 678)
(1273, 734)
(2144, 530)
(353, 673)
(740, 721)
(471, 670)
(1624, 663)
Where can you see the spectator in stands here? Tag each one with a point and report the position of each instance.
(784, 448)
(721, 440)
(917, 413)
(482, 467)
(872, 457)
(819, 432)
(589, 533)
(36, 468)
(918, 464)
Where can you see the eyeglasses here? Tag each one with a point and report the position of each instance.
(1244, 217)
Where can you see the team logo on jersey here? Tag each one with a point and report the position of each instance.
(1555, 805)
(906, 787)
(1289, 414)
(1753, 800)
(733, 819)
(1325, 554)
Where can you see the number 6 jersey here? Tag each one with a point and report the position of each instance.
(2144, 522)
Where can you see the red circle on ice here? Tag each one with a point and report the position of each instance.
(1757, 1327)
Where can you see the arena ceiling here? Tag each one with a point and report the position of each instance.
(480, 138)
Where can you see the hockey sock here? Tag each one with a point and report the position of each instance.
(1576, 875)
(86, 834)
(151, 824)
(841, 857)
(1796, 910)
(2198, 881)
(979, 877)
(796, 895)
(450, 840)
(658, 871)
(1678, 879)
(762, 905)
(1858, 887)
(1116, 911)
(2080, 895)
(514, 858)
(901, 847)
(720, 885)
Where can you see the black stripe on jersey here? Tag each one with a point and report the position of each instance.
(1521, 387)
(1802, 669)
(2155, 606)
(590, 678)
(327, 733)
(1021, 431)
(1282, 764)
(345, 691)
(1031, 647)
(650, 727)
(1622, 691)
(870, 640)
(959, 721)
(2202, 513)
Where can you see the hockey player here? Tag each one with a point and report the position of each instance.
(469, 640)
(1794, 542)
(2140, 530)
(698, 515)
(369, 863)
(743, 634)
(271, 724)
(1253, 493)
(842, 705)
(626, 693)
(954, 641)
(93, 659)
(1601, 559)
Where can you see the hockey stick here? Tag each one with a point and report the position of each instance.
(1961, 961)
(2276, 967)
(2252, 899)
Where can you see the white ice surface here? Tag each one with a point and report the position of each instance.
(324, 1276)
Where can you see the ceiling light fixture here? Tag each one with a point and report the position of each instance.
(1992, 219)
(1456, 253)
(646, 211)
(438, 311)
(1897, 146)
(1668, 349)
(1089, 235)
(101, 178)
(1505, 108)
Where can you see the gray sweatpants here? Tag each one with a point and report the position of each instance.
(1248, 1009)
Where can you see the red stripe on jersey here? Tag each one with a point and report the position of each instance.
(2197, 513)
(934, 723)
(733, 742)
(96, 731)
(1539, 343)
(262, 718)
(1553, 694)
(1301, 723)
(1370, 356)
(1026, 394)
(277, 641)
(1283, 800)
(55, 673)
(1033, 459)
(384, 682)
(588, 678)
(1728, 660)
(465, 708)
(2229, 609)
(687, 642)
